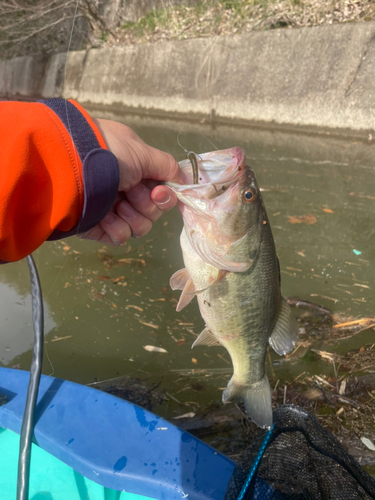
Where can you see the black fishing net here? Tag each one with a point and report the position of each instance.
(298, 460)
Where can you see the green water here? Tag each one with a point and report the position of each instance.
(96, 327)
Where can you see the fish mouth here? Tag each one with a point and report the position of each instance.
(218, 171)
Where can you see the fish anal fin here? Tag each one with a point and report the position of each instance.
(206, 337)
(186, 296)
(256, 397)
(285, 332)
(179, 279)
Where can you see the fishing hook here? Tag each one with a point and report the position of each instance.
(192, 157)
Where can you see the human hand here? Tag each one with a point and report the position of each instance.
(141, 200)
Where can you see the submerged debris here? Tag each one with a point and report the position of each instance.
(303, 219)
(339, 389)
(153, 348)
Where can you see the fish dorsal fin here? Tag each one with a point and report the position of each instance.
(285, 332)
(186, 296)
(206, 337)
(179, 279)
(220, 275)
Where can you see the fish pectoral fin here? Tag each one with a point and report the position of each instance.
(256, 397)
(285, 332)
(179, 279)
(206, 337)
(186, 296)
(220, 275)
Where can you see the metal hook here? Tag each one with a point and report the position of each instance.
(190, 155)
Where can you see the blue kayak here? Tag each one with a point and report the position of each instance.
(92, 445)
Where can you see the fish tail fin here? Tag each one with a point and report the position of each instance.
(257, 399)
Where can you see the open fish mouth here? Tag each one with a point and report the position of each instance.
(217, 171)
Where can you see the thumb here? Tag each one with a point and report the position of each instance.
(161, 166)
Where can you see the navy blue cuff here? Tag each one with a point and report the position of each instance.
(100, 170)
(75, 123)
(101, 181)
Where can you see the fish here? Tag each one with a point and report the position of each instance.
(231, 266)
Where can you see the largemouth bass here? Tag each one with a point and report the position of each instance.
(232, 267)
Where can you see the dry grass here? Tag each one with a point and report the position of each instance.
(229, 17)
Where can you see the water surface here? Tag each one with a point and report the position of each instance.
(100, 313)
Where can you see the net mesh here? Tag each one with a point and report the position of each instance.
(298, 459)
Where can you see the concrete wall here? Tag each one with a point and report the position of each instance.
(315, 77)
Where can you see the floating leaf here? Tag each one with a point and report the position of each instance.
(369, 444)
(132, 261)
(153, 348)
(191, 414)
(302, 219)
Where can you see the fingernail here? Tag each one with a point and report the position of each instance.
(163, 202)
(109, 218)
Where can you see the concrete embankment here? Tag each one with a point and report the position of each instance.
(314, 77)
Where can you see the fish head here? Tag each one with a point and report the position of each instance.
(223, 213)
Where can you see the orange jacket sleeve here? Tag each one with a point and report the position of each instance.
(57, 177)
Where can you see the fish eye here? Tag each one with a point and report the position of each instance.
(249, 195)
